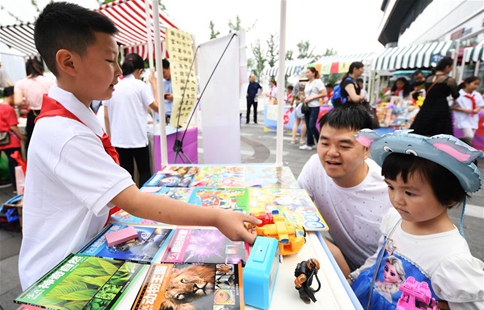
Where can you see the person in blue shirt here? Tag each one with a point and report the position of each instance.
(168, 89)
(253, 92)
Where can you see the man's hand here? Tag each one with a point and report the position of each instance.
(232, 225)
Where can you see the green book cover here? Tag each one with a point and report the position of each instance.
(81, 282)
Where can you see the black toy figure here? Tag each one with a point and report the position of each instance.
(304, 273)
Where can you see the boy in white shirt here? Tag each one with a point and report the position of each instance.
(72, 179)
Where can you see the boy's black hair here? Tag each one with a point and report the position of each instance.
(353, 117)
(131, 63)
(165, 63)
(8, 91)
(329, 85)
(444, 184)
(63, 25)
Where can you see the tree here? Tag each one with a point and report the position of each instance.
(238, 25)
(259, 59)
(272, 50)
(289, 55)
(306, 52)
(330, 52)
(213, 33)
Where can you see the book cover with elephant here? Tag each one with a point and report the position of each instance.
(81, 282)
(191, 287)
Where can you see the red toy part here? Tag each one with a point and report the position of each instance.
(266, 218)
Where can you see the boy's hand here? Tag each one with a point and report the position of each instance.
(232, 225)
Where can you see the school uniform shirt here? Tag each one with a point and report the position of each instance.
(312, 89)
(70, 182)
(464, 120)
(443, 260)
(33, 89)
(128, 113)
(8, 118)
(353, 214)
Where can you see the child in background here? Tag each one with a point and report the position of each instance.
(73, 178)
(418, 231)
(299, 116)
(467, 107)
(288, 98)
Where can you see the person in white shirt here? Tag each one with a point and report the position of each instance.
(467, 107)
(126, 115)
(314, 90)
(72, 178)
(347, 187)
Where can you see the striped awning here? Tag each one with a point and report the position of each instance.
(293, 67)
(129, 16)
(340, 63)
(19, 37)
(478, 52)
(414, 56)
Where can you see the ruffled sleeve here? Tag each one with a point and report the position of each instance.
(459, 279)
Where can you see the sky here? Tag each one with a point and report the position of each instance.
(347, 26)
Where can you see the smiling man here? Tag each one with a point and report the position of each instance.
(347, 187)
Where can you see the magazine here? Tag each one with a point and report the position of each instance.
(173, 176)
(204, 245)
(191, 286)
(294, 204)
(220, 176)
(270, 177)
(236, 199)
(150, 243)
(81, 282)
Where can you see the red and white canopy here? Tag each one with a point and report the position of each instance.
(130, 18)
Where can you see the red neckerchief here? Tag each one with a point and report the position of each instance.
(473, 100)
(54, 108)
(51, 108)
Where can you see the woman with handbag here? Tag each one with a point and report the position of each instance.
(435, 116)
(10, 135)
(314, 90)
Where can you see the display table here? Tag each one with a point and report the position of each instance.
(335, 292)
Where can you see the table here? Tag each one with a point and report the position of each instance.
(335, 292)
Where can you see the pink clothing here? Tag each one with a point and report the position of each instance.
(33, 90)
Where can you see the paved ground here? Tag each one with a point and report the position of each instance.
(257, 146)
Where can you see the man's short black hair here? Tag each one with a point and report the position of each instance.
(165, 64)
(63, 25)
(352, 117)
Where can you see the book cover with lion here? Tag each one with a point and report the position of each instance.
(81, 282)
(191, 287)
(149, 245)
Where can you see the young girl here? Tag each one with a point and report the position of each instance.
(299, 116)
(467, 107)
(425, 177)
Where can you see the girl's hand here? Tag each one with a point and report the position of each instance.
(233, 225)
(477, 109)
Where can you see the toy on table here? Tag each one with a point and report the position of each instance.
(291, 237)
(304, 273)
(415, 295)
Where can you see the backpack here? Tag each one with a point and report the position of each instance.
(337, 98)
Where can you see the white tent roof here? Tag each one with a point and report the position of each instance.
(19, 37)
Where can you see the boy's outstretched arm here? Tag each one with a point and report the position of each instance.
(163, 209)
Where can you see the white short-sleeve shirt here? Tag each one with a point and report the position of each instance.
(312, 89)
(128, 112)
(69, 184)
(353, 214)
(464, 120)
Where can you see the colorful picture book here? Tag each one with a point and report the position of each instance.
(207, 245)
(81, 282)
(270, 177)
(294, 204)
(150, 244)
(191, 286)
(173, 176)
(236, 199)
(220, 176)
(123, 217)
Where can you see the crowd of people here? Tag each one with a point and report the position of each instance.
(382, 196)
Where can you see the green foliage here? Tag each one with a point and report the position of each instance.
(272, 50)
(306, 52)
(213, 33)
(289, 55)
(238, 25)
(260, 59)
(330, 52)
